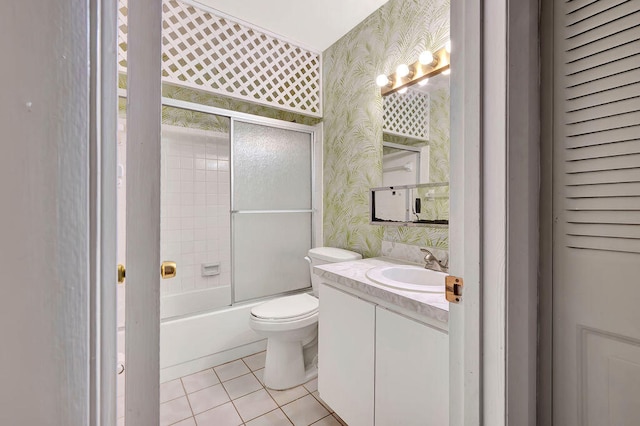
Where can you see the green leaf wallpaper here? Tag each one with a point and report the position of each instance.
(396, 33)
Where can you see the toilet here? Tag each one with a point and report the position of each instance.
(290, 324)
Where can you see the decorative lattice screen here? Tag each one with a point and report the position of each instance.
(407, 115)
(213, 53)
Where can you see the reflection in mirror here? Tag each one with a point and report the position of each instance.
(410, 205)
(415, 151)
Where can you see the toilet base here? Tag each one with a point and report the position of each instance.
(284, 367)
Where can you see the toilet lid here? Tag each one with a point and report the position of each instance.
(287, 307)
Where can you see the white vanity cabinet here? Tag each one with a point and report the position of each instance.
(346, 354)
(411, 373)
(378, 367)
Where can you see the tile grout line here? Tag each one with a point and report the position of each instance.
(229, 396)
(219, 383)
(319, 420)
(186, 395)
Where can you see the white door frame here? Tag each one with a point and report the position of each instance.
(103, 106)
(545, 295)
(490, 133)
(144, 116)
(494, 232)
(465, 386)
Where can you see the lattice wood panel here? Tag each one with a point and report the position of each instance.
(213, 53)
(407, 115)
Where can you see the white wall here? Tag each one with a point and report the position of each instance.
(44, 213)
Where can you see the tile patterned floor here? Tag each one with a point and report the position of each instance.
(233, 394)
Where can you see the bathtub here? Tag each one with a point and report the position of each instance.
(197, 342)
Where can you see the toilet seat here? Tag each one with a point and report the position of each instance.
(286, 309)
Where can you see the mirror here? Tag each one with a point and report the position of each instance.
(415, 160)
(405, 205)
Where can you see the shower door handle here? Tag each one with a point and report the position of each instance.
(168, 269)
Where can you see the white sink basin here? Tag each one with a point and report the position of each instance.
(410, 278)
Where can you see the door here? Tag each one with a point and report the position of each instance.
(596, 213)
(142, 324)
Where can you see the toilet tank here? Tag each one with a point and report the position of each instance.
(323, 255)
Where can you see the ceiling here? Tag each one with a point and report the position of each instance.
(313, 24)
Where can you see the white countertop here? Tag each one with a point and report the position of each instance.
(352, 275)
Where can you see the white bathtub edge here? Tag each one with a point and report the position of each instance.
(193, 366)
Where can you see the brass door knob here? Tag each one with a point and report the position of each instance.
(121, 273)
(168, 269)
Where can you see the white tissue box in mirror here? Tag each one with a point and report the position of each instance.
(410, 205)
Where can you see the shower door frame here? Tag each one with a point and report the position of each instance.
(315, 133)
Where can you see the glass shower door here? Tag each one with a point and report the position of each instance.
(272, 209)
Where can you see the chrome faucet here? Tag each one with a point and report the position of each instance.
(433, 263)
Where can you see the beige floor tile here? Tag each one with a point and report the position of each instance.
(207, 398)
(316, 395)
(200, 380)
(255, 361)
(241, 386)
(224, 415)
(337, 417)
(171, 390)
(286, 396)
(328, 421)
(255, 404)
(272, 418)
(186, 422)
(260, 375)
(174, 411)
(304, 411)
(231, 370)
(312, 385)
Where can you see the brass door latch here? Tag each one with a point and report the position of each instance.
(453, 288)
(167, 270)
(121, 273)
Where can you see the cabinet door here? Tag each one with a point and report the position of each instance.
(412, 372)
(346, 355)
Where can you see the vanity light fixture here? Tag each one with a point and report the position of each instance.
(426, 58)
(428, 65)
(403, 70)
(403, 90)
(382, 80)
(423, 82)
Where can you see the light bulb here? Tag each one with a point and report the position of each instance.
(447, 46)
(447, 71)
(402, 70)
(423, 82)
(403, 90)
(426, 58)
(382, 80)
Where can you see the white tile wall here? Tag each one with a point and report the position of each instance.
(195, 218)
(195, 203)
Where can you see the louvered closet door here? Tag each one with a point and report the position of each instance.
(596, 278)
